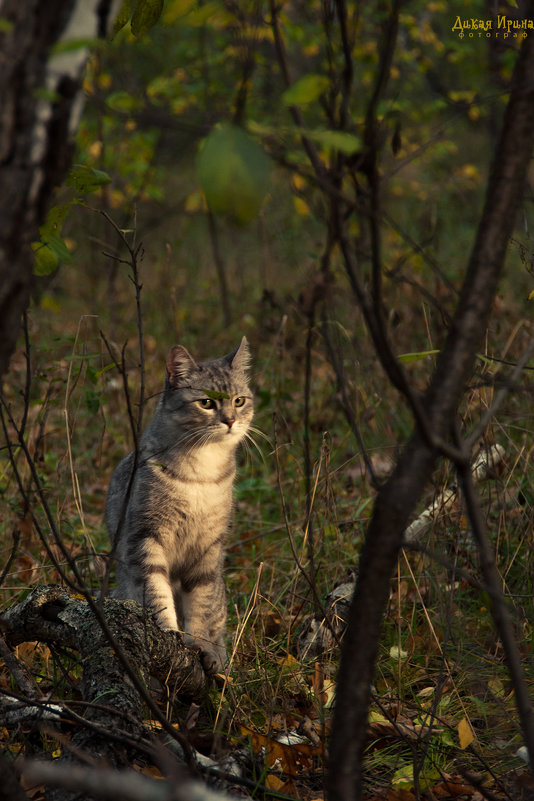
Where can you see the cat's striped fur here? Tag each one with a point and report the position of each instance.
(170, 544)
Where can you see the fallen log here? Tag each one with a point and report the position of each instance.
(120, 646)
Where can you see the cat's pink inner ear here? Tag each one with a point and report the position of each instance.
(179, 364)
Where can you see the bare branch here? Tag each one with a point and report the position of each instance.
(104, 784)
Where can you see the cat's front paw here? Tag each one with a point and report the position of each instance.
(212, 656)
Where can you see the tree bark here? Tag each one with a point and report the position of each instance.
(40, 103)
(398, 497)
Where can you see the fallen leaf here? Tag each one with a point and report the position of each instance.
(273, 782)
(465, 733)
(453, 786)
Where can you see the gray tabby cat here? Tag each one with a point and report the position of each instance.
(170, 546)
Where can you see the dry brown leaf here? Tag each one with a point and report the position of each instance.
(289, 758)
(453, 786)
(402, 727)
(398, 794)
(274, 782)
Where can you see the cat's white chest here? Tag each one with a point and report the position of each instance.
(214, 460)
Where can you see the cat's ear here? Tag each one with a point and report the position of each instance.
(239, 358)
(180, 364)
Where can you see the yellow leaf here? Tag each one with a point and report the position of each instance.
(425, 692)
(273, 782)
(531, 295)
(376, 717)
(152, 771)
(301, 207)
(299, 182)
(496, 687)
(288, 661)
(195, 202)
(328, 694)
(465, 733)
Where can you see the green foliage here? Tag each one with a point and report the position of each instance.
(51, 250)
(233, 172)
(86, 179)
(141, 14)
(306, 90)
(213, 395)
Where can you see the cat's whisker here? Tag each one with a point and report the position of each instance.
(246, 446)
(249, 438)
(260, 433)
(198, 439)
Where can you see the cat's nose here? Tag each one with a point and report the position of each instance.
(229, 422)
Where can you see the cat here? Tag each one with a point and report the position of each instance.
(169, 526)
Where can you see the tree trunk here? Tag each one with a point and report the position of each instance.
(40, 104)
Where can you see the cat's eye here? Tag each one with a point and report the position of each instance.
(239, 402)
(207, 403)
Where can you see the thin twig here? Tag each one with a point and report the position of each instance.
(500, 397)
(500, 610)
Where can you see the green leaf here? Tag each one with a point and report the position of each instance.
(46, 261)
(176, 9)
(337, 140)
(145, 15)
(122, 17)
(406, 358)
(403, 778)
(57, 245)
(305, 90)
(123, 101)
(212, 394)
(56, 217)
(233, 172)
(87, 179)
(6, 26)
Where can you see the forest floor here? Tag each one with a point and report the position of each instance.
(443, 722)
